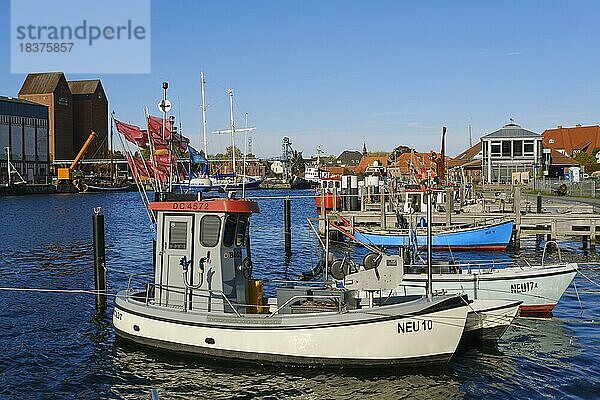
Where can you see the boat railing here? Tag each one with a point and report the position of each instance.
(546, 246)
(184, 291)
(336, 300)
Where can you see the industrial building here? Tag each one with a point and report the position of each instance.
(24, 133)
(75, 108)
(90, 113)
(51, 89)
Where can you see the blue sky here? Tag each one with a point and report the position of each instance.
(335, 73)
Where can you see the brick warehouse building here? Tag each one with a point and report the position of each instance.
(90, 113)
(24, 129)
(74, 109)
(51, 89)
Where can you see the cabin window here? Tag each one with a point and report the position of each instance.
(230, 226)
(210, 230)
(178, 235)
(242, 229)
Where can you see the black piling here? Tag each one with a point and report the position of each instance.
(99, 260)
(287, 229)
(539, 204)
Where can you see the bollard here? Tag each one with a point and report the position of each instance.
(538, 207)
(287, 229)
(99, 260)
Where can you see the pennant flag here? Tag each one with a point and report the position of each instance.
(196, 157)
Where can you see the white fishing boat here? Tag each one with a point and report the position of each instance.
(539, 287)
(202, 300)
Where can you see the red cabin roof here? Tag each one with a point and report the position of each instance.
(211, 205)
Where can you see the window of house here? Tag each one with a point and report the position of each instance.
(517, 148)
(496, 149)
(528, 148)
(506, 148)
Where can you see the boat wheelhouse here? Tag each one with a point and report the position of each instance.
(329, 193)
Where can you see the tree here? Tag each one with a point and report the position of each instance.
(588, 161)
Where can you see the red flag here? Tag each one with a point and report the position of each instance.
(155, 126)
(132, 133)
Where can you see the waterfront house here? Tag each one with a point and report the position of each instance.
(510, 149)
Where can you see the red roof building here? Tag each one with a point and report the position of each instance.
(570, 141)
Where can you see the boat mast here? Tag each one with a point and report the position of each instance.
(112, 149)
(245, 155)
(204, 115)
(232, 124)
(429, 251)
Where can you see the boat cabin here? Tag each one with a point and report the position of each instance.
(201, 260)
(415, 200)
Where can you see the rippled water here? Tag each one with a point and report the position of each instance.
(52, 345)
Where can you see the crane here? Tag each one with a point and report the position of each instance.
(66, 173)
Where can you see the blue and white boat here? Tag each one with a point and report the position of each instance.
(486, 237)
(198, 179)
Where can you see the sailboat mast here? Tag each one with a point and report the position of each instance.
(204, 114)
(112, 149)
(230, 93)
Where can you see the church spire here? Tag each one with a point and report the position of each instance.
(364, 149)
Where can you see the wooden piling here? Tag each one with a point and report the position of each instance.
(517, 211)
(382, 209)
(449, 206)
(99, 260)
(287, 230)
(593, 234)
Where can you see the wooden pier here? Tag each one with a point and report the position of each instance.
(555, 220)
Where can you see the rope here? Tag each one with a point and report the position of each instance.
(69, 291)
(589, 279)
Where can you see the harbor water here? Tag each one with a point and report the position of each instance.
(54, 346)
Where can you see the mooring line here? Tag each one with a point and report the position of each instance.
(69, 291)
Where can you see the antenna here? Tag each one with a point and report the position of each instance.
(202, 83)
(470, 136)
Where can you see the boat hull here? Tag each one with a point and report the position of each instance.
(329, 201)
(357, 338)
(489, 319)
(539, 288)
(490, 237)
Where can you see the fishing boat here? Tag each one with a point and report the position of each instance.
(487, 319)
(329, 193)
(495, 236)
(202, 300)
(538, 287)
